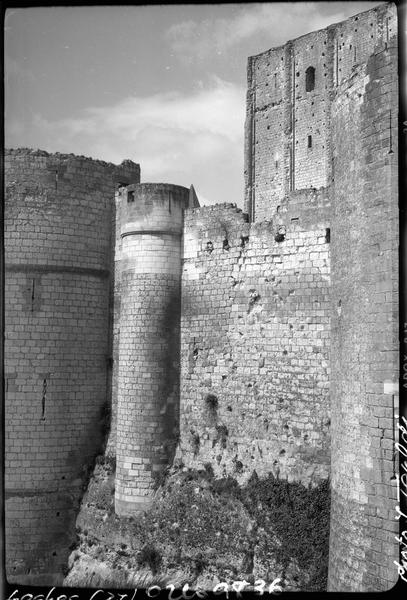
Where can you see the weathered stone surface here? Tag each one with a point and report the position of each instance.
(148, 381)
(365, 342)
(284, 320)
(255, 346)
(58, 261)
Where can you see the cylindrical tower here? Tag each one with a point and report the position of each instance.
(59, 211)
(364, 346)
(148, 396)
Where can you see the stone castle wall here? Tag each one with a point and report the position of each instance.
(255, 346)
(364, 364)
(288, 125)
(283, 319)
(58, 249)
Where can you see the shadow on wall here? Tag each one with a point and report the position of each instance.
(170, 383)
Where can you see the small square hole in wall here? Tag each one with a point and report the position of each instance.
(130, 196)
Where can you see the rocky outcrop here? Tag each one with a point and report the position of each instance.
(203, 531)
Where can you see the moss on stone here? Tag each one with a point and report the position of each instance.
(203, 528)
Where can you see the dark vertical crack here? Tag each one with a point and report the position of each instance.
(32, 295)
(391, 137)
(44, 397)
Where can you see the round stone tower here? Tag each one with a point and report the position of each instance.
(148, 387)
(59, 217)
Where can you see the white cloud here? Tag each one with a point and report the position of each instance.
(192, 40)
(180, 138)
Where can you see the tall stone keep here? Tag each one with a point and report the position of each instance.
(148, 378)
(322, 122)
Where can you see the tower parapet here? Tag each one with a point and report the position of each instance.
(148, 392)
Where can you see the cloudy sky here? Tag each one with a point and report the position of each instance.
(161, 85)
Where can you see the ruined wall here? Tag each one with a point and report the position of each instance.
(357, 38)
(287, 126)
(58, 216)
(288, 129)
(340, 133)
(256, 348)
(268, 121)
(255, 345)
(310, 111)
(364, 366)
(148, 381)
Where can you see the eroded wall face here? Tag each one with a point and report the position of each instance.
(268, 118)
(290, 90)
(311, 83)
(287, 122)
(255, 346)
(58, 214)
(357, 38)
(365, 327)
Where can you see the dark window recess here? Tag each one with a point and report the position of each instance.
(327, 235)
(309, 79)
(130, 196)
(309, 141)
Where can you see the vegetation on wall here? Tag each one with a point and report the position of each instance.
(201, 529)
